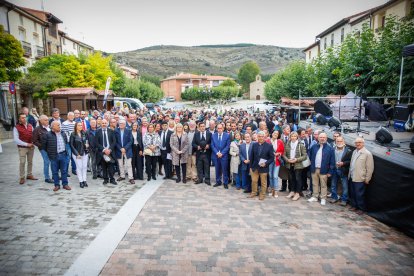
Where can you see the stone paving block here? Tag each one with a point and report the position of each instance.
(37, 223)
(219, 232)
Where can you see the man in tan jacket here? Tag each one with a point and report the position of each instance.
(360, 173)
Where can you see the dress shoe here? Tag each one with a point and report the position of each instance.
(290, 195)
(21, 181)
(296, 197)
(216, 185)
(208, 183)
(261, 197)
(247, 192)
(56, 188)
(184, 181)
(149, 178)
(113, 182)
(120, 179)
(226, 186)
(74, 172)
(251, 195)
(85, 184)
(67, 176)
(198, 182)
(131, 181)
(165, 178)
(153, 177)
(31, 177)
(66, 187)
(160, 173)
(177, 180)
(105, 182)
(94, 177)
(238, 188)
(81, 184)
(49, 181)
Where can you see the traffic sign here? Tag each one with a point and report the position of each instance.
(12, 88)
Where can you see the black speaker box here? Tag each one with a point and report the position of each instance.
(402, 111)
(322, 108)
(320, 119)
(334, 122)
(383, 136)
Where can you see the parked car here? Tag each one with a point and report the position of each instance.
(150, 106)
(171, 98)
(130, 102)
(162, 102)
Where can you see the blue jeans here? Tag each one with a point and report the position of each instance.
(70, 159)
(246, 180)
(46, 164)
(60, 163)
(274, 175)
(237, 178)
(339, 175)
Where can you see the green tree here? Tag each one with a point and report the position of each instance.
(288, 82)
(247, 74)
(150, 78)
(11, 57)
(119, 84)
(143, 90)
(229, 82)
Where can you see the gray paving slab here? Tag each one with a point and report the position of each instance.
(43, 232)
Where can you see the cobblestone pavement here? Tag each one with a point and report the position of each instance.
(196, 229)
(43, 232)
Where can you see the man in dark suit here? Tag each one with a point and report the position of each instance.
(201, 145)
(123, 151)
(165, 135)
(106, 142)
(285, 138)
(220, 144)
(262, 156)
(245, 158)
(85, 123)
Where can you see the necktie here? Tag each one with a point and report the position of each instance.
(105, 141)
(202, 137)
(163, 140)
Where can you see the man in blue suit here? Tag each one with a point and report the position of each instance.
(245, 155)
(220, 145)
(85, 123)
(123, 151)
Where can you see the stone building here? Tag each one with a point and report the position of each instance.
(257, 89)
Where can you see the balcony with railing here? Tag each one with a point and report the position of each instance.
(40, 52)
(27, 48)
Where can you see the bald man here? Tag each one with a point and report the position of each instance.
(360, 173)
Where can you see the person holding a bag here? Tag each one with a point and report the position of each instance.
(179, 150)
(152, 143)
(79, 145)
(295, 154)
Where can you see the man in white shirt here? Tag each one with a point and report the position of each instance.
(67, 128)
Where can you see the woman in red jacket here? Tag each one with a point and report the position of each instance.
(274, 167)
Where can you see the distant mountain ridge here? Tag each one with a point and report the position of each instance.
(220, 59)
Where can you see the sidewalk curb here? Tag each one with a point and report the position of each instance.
(95, 256)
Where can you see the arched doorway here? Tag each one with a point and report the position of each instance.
(258, 97)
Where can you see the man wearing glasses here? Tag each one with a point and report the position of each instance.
(360, 173)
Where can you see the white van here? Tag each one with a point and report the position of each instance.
(132, 103)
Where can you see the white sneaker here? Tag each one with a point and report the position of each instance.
(323, 202)
(269, 194)
(313, 199)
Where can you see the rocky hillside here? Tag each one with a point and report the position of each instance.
(225, 60)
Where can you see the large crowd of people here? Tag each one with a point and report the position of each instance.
(245, 149)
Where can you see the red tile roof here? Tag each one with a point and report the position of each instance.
(73, 91)
(45, 16)
(182, 76)
(102, 92)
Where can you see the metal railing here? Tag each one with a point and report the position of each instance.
(40, 52)
(27, 48)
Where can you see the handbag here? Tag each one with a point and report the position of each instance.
(148, 151)
(305, 163)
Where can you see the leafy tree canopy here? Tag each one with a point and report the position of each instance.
(247, 74)
(11, 57)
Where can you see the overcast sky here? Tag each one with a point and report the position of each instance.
(123, 25)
